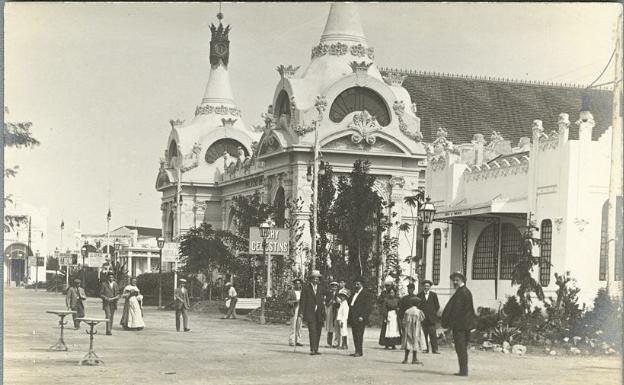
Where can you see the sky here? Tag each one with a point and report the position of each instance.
(100, 81)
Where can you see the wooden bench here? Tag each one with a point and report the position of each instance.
(243, 305)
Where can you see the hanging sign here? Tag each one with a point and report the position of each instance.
(170, 252)
(277, 243)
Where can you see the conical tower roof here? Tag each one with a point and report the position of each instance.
(343, 24)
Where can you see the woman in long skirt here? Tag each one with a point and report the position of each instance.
(330, 313)
(132, 318)
(413, 335)
(390, 335)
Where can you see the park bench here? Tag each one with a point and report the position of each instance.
(244, 305)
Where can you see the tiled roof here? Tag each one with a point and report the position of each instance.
(146, 231)
(468, 105)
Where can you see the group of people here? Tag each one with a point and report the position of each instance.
(409, 321)
(132, 316)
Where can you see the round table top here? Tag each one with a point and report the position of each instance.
(92, 320)
(60, 312)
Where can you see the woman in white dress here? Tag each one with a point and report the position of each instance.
(132, 318)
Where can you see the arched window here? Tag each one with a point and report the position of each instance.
(173, 150)
(485, 254)
(279, 204)
(282, 105)
(545, 251)
(221, 146)
(170, 224)
(359, 99)
(437, 251)
(511, 243)
(602, 273)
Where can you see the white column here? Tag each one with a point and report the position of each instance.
(149, 263)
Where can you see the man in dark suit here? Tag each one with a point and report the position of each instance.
(360, 308)
(459, 316)
(181, 304)
(429, 305)
(110, 294)
(312, 309)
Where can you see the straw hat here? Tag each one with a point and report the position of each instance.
(315, 273)
(182, 280)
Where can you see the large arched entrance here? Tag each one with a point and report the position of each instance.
(15, 257)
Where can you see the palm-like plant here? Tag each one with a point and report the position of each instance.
(120, 271)
(413, 202)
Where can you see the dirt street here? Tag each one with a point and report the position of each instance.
(220, 351)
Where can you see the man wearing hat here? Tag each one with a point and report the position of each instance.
(360, 309)
(459, 316)
(73, 300)
(312, 309)
(233, 298)
(181, 304)
(110, 294)
(429, 305)
(293, 297)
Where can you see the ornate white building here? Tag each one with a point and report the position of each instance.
(340, 93)
(360, 112)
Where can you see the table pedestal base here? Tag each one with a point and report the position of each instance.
(91, 359)
(59, 346)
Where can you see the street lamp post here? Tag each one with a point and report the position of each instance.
(84, 251)
(161, 244)
(425, 215)
(117, 246)
(36, 270)
(265, 229)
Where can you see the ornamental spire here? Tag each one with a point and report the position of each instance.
(220, 43)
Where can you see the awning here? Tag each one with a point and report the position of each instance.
(494, 208)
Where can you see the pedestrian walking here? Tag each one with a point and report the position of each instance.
(405, 303)
(390, 334)
(459, 316)
(181, 304)
(74, 301)
(413, 335)
(358, 315)
(312, 309)
(293, 298)
(232, 298)
(342, 319)
(430, 306)
(132, 315)
(110, 294)
(330, 312)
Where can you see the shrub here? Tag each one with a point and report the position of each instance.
(604, 321)
(513, 311)
(564, 313)
(487, 319)
(504, 333)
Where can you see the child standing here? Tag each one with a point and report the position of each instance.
(413, 335)
(342, 316)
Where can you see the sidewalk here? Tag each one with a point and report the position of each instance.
(220, 352)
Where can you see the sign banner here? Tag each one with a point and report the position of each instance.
(277, 242)
(170, 252)
(95, 259)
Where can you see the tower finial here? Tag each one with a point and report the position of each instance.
(220, 14)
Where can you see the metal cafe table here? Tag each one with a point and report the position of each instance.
(60, 344)
(91, 358)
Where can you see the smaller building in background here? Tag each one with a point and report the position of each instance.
(137, 246)
(25, 239)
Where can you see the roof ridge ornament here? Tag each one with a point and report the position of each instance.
(394, 79)
(286, 72)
